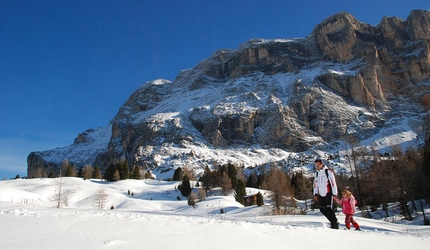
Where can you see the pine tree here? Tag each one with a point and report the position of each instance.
(260, 201)
(110, 171)
(260, 180)
(240, 192)
(136, 173)
(81, 173)
(215, 179)
(123, 170)
(252, 180)
(148, 175)
(302, 186)
(232, 174)
(185, 187)
(69, 171)
(178, 174)
(51, 174)
(96, 173)
(426, 165)
(126, 170)
(207, 179)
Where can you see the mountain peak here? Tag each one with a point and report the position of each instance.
(341, 18)
(418, 22)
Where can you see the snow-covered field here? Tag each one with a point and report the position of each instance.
(154, 219)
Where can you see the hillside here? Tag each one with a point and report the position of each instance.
(154, 219)
(282, 100)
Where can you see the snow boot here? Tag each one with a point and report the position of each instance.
(335, 225)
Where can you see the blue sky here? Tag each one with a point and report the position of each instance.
(66, 66)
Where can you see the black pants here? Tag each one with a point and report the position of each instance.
(326, 208)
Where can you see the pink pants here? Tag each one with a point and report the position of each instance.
(348, 220)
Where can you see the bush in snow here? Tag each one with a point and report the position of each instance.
(192, 200)
(185, 187)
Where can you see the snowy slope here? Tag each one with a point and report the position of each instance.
(29, 221)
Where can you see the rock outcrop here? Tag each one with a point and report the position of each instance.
(290, 94)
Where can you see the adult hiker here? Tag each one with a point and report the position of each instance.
(324, 189)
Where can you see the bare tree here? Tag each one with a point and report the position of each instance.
(192, 200)
(279, 185)
(240, 175)
(225, 183)
(64, 166)
(201, 194)
(116, 176)
(39, 173)
(354, 146)
(400, 171)
(100, 198)
(59, 192)
(71, 171)
(188, 171)
(87, 172)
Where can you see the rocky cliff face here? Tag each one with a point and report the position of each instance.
(288, 94)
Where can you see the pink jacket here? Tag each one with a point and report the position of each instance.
(348, 204)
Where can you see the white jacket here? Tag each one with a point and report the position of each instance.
(321, 183)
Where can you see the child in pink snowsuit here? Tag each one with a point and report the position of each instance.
(348, 208)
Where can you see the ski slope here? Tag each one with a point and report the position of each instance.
(154, 219)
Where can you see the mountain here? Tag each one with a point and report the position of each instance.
(281, 100)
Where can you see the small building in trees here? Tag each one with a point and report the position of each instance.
(250, 200)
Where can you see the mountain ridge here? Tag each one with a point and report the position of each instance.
(282, 95)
